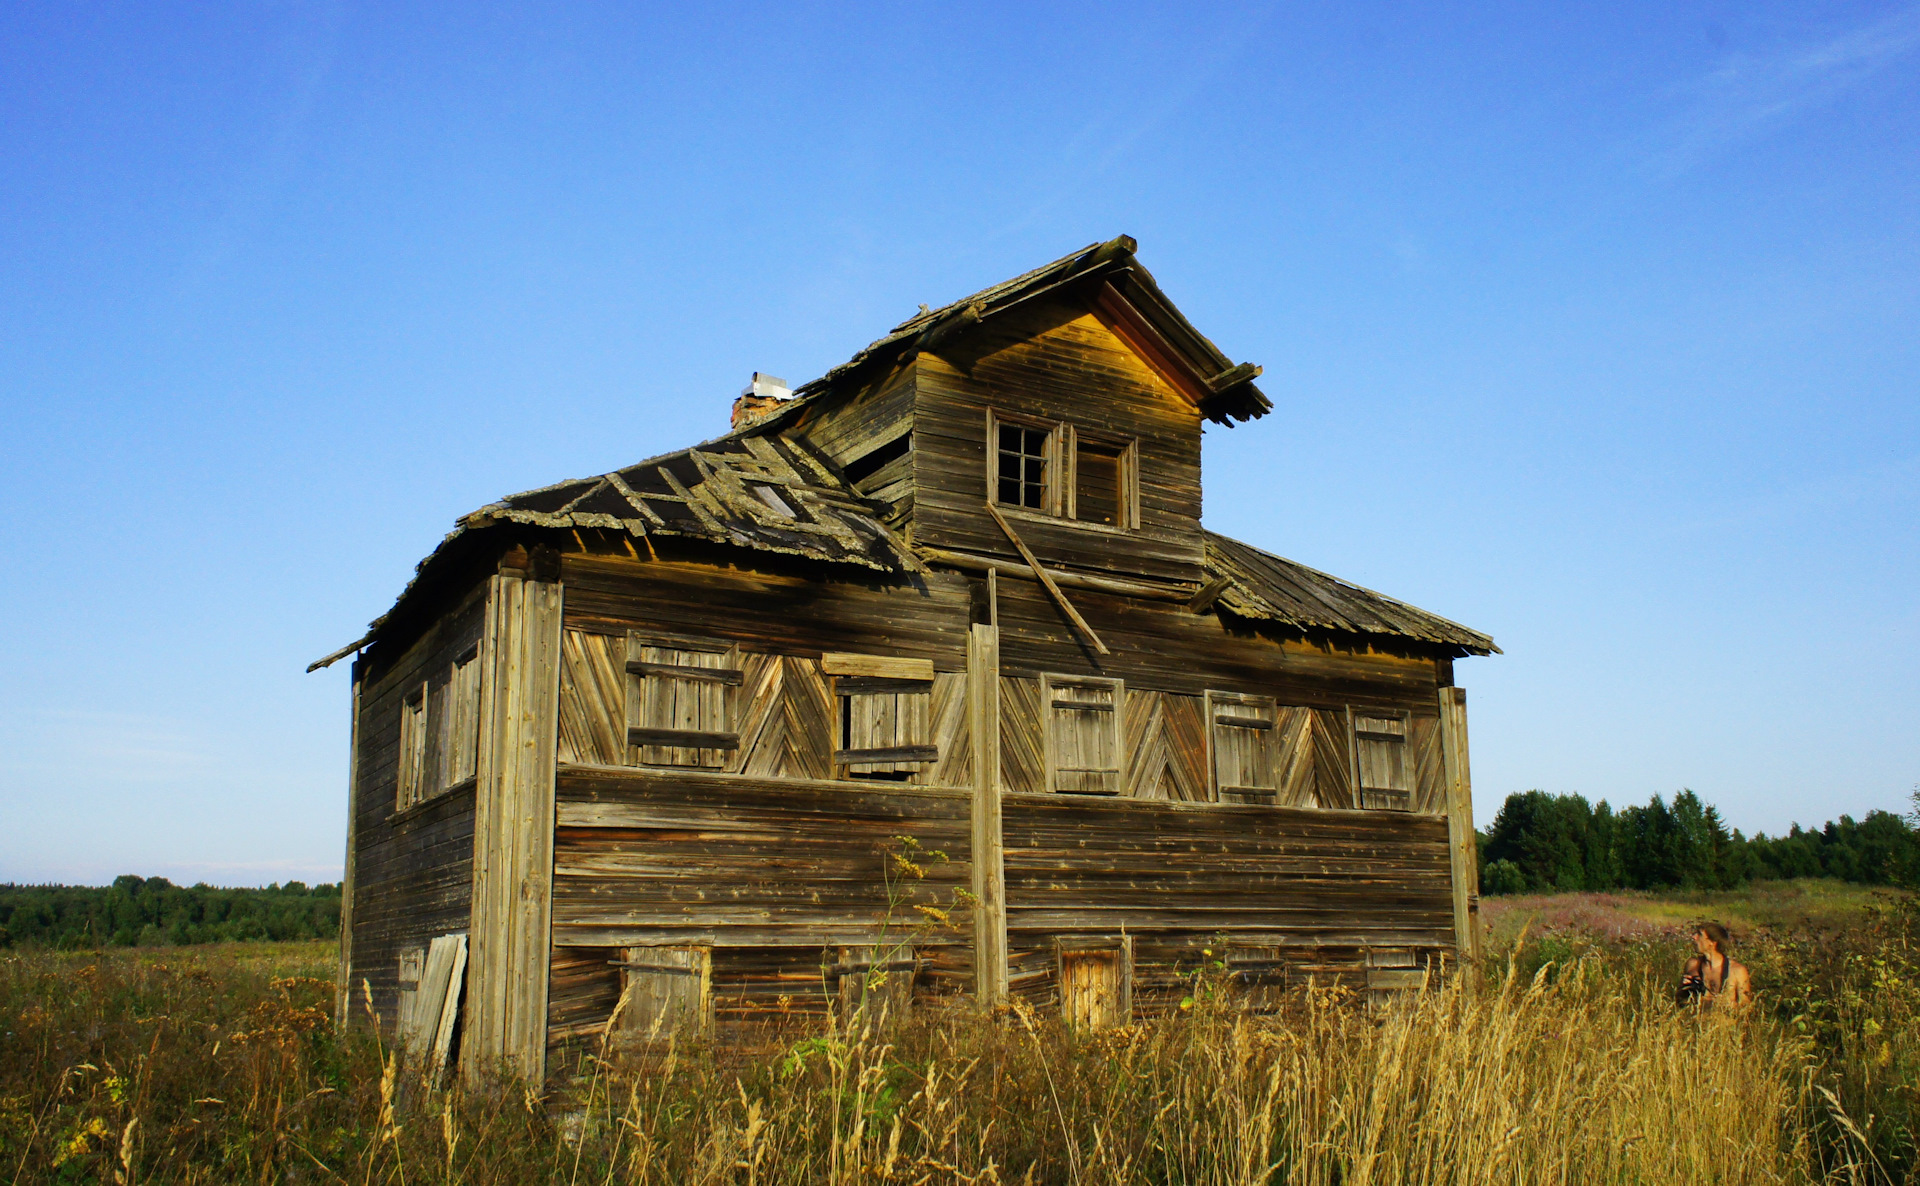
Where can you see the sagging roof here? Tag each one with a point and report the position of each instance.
(1268, 588)
(747, 489)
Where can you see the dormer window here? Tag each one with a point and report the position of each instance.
(1052, 468)
(1025, 466)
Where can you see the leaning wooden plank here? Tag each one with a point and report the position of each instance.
(1046, 580)
(450, 1008)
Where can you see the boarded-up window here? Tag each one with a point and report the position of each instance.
(413, 750)
(885, 728)
(668, 991)
(460, 728)
(1096, 982)
(1104, 481)
(1386, 777)
(1082, 717)
(680, 700)
(1391, 970)
(1242, 732)
(877, 980)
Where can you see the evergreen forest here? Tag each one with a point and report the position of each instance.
(1546, 843)
(152, 911)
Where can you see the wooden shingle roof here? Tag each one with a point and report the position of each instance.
(1265, 587)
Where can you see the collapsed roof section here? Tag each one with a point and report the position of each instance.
(749, 490)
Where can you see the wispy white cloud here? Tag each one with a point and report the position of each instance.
(1749, 95)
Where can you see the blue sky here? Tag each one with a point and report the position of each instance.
(1593, 327)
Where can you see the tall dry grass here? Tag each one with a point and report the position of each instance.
(1575, 1068)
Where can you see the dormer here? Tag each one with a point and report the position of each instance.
(1063, 408)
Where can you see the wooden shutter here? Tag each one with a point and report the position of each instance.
(1082, 717)
(668, 992)
(1241, 728)
(411, 783)
(408, 1026)
(1380, 745)
(680, 700)
(885, 705)
(1096, 982)
(1391, 970)
(878, 979)
(462, 727)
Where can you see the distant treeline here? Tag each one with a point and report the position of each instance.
(1542, 843)
(152, 911)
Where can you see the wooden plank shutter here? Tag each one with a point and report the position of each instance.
(1386, 776)
(668, 991)
(1082, 717)
(411, 783)
(463, 720)
(681, 694)
(410, 1024)
(878, 979)
(1391, 970)
(885, 727)
(1241, 728)
(1096, 982)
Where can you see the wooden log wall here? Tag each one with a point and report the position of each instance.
(1056, 363)
(412, 871)
(922, 617)
(774, 874)
(775, 863)
(1320, 887)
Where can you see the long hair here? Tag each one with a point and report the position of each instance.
(1722, 941)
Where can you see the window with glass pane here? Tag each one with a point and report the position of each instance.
(1023, 466)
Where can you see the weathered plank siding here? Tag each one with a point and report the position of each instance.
(412, 871)
(924, 617)
(1321, 886)
(1059, 363)
(771, 873)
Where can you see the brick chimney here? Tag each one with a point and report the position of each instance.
(759, 398)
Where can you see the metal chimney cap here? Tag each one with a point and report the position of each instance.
(771, 386)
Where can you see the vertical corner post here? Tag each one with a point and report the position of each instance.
(343, 978)
(1460, 835)
(511, 931)
(989, 866)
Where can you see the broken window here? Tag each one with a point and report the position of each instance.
(681, 700)
(885, 727)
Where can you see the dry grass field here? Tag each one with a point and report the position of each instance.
(1563, 1061)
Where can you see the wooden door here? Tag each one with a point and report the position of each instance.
(1096, 984)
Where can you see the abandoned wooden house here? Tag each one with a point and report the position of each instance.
(701, 730)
